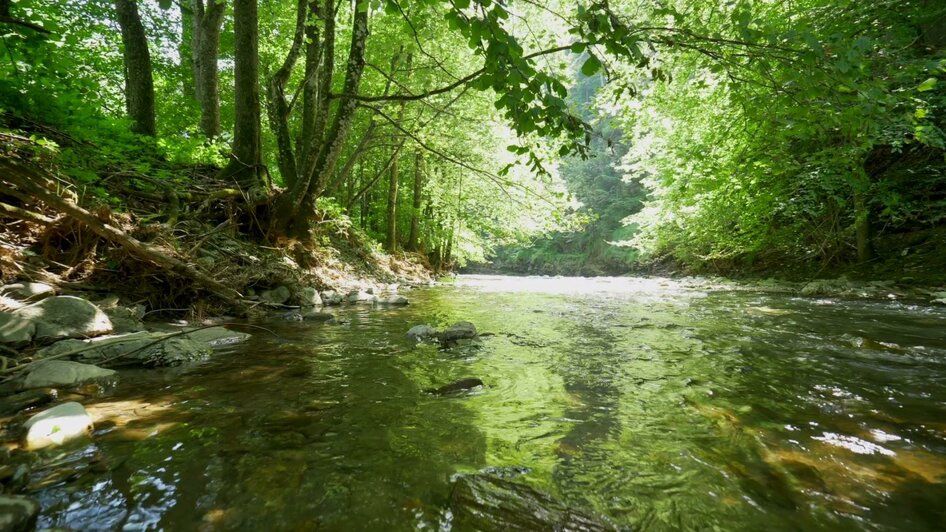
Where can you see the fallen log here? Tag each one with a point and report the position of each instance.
(30, 180)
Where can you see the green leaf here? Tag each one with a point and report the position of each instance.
(927, 85)
(579, 47)
(462, 4)
(591, 66)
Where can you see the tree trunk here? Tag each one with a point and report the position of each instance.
(391, 241)
(279, 109)
(139, 85)
(185, 51)
(862, 228)
(414, 235)
(319, 70)
(246, 161)
(205, 47)
(313, 179)
(862, 223)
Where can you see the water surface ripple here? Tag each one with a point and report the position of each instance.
(663, 405)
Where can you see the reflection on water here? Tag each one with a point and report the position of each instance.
(659, 404)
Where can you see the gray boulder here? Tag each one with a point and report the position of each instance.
(276, 296)
(460, 330)
(28, 291)
(309, 297)
(16, 331)
(217, 336)
(56, 426)
(293, 315)
(361, 297)
(314, 314)
(66, 317)
(394, 300)
(17, 513)
(331, 297)
(124, 319)
(52, 373)
(421, 332)
(138, 349)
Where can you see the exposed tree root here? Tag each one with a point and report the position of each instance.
(29, 180)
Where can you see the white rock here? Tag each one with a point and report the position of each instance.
(57, 425)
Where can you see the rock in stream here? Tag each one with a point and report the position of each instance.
(483, 502)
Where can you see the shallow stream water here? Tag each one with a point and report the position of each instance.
(658, 404)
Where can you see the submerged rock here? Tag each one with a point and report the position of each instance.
(314, 314)
(66, 317)
(17, 513)
(12, 404)
(28, 291)
(218, 336)
(56, 426)
(64, 373)
(422, 332)
(141, 349)
(16, 331)
(461, 385)
(393, 300)
(483, 502)
(293, 315)
(460, 330)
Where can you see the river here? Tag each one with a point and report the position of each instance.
(658, 404)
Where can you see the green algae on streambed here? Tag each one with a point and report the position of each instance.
(650, 402)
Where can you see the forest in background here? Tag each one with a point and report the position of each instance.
(593, 136)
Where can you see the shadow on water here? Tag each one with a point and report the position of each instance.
(317, 429)
(660, 405)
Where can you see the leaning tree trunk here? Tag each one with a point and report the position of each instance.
(414, 236)
(246, 160)
(139, 85)
(205, 47)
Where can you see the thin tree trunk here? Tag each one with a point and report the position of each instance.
(246, 160)
(862, 222)
(414, 235)
(139, 85)
(313, 179)
(206, 23)
(391, 240)
(279, 109)
(185, 51)
(319, 70)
